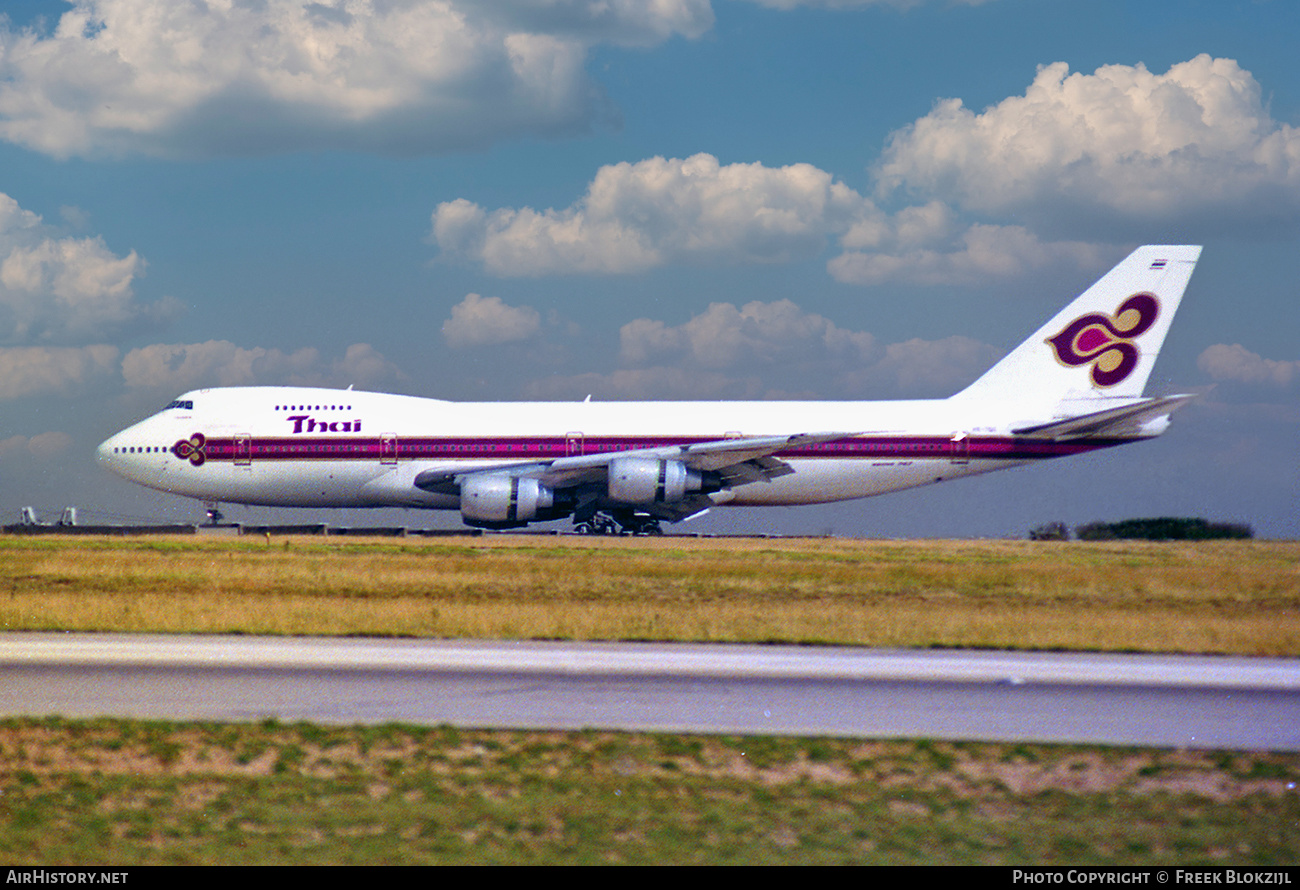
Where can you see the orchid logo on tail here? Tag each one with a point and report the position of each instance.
(1107, 341)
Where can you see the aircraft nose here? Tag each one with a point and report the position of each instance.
(105, 452)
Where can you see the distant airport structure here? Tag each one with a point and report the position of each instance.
(27, 516)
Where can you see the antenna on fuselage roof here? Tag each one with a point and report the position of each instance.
(350, 385)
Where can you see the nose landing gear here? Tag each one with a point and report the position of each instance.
(214, 515)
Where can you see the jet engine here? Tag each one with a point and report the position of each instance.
(500, 501)
(643, 480)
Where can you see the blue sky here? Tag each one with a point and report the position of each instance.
(541, 199)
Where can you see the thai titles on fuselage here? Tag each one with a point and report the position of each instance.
(304, 423)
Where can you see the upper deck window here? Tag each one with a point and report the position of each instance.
(187, 404)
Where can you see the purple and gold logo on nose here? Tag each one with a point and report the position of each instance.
(1107, 341)
(191, 449)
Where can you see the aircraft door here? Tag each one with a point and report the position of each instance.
(388, 448)
(243, 450)
(573, 444)
(959, 448)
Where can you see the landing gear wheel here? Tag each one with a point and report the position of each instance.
(621, 522)
(599, 524)
(643, 526)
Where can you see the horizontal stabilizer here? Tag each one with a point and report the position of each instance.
(1127, 420)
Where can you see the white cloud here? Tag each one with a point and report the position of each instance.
(1238, 364)
(851, 4)
(176, 367)
(1079, 153)
(1122, 141)
(759, 334)
(934, 366)
(656, 212)
(771, 351)
(66, 290)
(638, 216)
(398, 76)
(980, 253)
(43, 446)
(647, 384)
(181, 366)
(54, 370)
(363, 365)
(34, 371)
(482, 321)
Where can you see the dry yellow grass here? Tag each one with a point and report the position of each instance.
(1231, 596)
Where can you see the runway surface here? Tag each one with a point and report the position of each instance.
(1168, 701)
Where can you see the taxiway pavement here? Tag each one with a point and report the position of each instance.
(1159, 700)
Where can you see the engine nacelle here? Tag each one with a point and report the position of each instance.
(643, 480)
(502, 501)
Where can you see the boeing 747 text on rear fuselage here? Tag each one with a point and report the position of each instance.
(1074, 386)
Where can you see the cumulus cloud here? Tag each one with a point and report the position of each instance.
(363, 365)
(1077, 153)
(979, 253)
(66, 290)
(850, 4)
(724, 336)
(772, 351)
(53, 370)
(1238, 364)
(176, 367)
(647, 384)
(933, 366)
(483, 321)
(656, 212)
(44, 446)
(1122, 141)
(398, 76)
(638, 216)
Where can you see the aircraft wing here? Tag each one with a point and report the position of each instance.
(737, 462)
(1127, 420)
(725, 456)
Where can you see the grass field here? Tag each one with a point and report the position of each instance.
(132, 792)
(126, 792)
(1214, 597)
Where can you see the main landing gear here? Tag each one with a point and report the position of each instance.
(620, 522)
(214, 514)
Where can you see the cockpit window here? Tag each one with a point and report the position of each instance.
(187, 404)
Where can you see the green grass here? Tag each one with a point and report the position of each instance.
(108, 791)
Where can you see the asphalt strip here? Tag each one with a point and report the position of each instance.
(650, 659)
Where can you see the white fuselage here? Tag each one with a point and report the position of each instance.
(1074, 385)
(303, 447)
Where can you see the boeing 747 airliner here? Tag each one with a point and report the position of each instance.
(1074, 386)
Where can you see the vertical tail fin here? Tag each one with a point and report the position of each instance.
(1102, 345)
